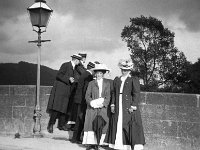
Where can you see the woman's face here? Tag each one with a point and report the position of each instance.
(99, 75)
(124, 71)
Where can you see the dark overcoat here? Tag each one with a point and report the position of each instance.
(61, 91)
(83, 82)
(131, 122)
(72, 109)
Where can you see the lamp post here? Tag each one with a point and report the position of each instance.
(39, 14)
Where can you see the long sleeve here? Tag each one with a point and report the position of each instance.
(79, 90)
(88, 95)
(135, 91)
(113, 92)
(107, 94)
(61, 75)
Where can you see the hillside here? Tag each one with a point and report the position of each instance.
(24, 73)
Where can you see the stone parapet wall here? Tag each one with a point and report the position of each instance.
(171, 120)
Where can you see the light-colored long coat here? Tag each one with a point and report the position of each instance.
(91, 94)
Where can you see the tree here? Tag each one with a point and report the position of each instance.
(152, 50)
(194, 77)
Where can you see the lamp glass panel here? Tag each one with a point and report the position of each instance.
(45, 15)
(39, 17)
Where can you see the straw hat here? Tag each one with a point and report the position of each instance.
(125, 64)
(100, 67)
(77, 56)
(83, 55)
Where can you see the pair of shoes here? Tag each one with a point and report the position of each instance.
(75, 141)
(65, 127)
(50, 128)
(91, 147)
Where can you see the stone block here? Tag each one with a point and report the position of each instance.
(28, 126)
(153, 142)
(170, 113)
(44, 114)
(44, 101)
(2, 125)
(152, 111)
(184, 144)
(187, 100)
(18, 100)
(152, 126)
(5, 100)
(11, 126)
(196, 143)
(160, 142)
(193, 114)
(22, 113)
(148, 111)
(170, 128)
(188, 114)
(155, 98)
(143, 98)
(189, 130)
(6, 112)
(31, 101)
(44, 123)
(45, 90)
(23, 90)
(4, 90)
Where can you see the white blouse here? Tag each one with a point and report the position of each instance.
(100, 84)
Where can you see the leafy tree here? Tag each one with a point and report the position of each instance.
(194, 77)
(153, 52)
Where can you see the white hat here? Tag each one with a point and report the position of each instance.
(100, 67)
(77, 56)
(125, 64)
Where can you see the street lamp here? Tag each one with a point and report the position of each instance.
(39, 14)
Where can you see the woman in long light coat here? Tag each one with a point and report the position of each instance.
(125, 131)
(97, 98)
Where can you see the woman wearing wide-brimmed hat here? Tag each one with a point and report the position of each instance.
(97, 98)
(125, 129)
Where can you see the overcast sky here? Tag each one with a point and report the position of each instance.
(94, 27)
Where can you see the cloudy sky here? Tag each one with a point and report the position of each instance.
(94, 27)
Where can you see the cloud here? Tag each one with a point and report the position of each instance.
(93, 26)
(11, 9)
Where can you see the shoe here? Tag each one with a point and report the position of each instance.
(91, 147)
(75, 141)
(64, 128)
(50, 128)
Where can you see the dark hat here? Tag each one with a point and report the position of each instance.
(91, 65)
(77, 56)
(84, 55)
(96, 62)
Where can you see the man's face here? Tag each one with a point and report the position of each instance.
(77, 61)
(83, 59)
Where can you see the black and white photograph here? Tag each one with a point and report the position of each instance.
(99, 75)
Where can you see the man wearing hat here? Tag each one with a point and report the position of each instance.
(61, 92)
(80, 69)
(81, 66)
(80, 102)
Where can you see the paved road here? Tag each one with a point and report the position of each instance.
(59, 140)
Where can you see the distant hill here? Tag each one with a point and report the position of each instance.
(24, 73)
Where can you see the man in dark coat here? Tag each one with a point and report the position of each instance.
(61, 92)
(72, 110)
(80, 102)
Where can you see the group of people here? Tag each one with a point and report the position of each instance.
(102, 113)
